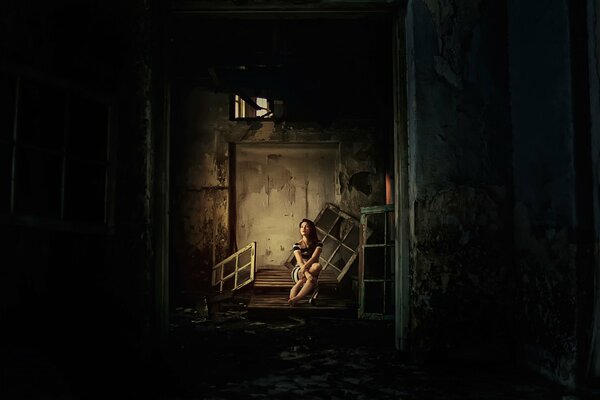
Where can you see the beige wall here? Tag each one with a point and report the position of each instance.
(276, 186)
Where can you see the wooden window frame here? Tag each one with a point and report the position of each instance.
(388, 246)
(218, 277)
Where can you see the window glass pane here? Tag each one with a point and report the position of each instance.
(341, 257)
(340, 228)
(85, 191)
(373, 301)
(329, 246)
(41, 116)
(352, 239)
(7, 107)
(229, 284)
(326, 220)
(245, 257)
(377, 224)
(229, 267)
(88, 129)
(244, 274)
(374, 262)
(5, 174)
(38, 183)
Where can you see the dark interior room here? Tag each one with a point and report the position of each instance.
(385, 199)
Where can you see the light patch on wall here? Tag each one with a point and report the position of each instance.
(295, 181)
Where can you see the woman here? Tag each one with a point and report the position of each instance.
(306, 252)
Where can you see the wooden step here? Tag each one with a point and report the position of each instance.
(279, 277)
(275, 304)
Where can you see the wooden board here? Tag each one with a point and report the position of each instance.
(277, 277)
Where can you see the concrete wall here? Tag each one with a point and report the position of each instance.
(202, 206)
(459, 178)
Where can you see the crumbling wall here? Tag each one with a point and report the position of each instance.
(459, 179)
(202, 205)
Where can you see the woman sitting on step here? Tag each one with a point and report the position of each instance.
(306, 272)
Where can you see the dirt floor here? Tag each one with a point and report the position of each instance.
(227, 355)
(230, 356)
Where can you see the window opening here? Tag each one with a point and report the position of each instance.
(258, 107)
(55, 162)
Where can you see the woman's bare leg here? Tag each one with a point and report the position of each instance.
(308, 286)
(296, 288)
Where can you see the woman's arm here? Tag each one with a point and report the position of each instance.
(314, 258)
(299, 259)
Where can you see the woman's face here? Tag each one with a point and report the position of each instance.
(304, 229)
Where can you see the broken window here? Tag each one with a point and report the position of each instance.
(259, 107)
(376, 264)
(55, 161)
(340, 234)
(251, 107)
(235, 271)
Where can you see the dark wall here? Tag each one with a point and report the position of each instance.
(544, 185)
(459, 179)
(77, 296)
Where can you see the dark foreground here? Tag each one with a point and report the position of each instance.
(229, 356)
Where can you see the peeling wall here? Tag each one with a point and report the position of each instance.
(202, 200)
(459, 179)
(544, 186)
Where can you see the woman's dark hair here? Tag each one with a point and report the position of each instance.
(312, 235)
